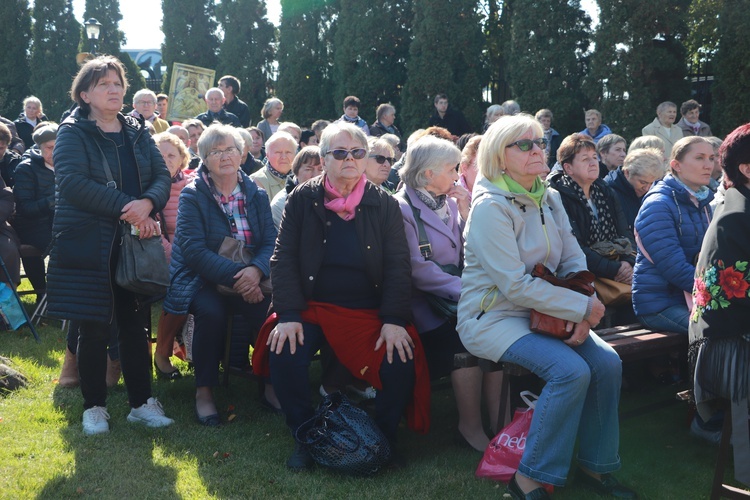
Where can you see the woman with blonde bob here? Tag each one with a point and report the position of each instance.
(515, 223)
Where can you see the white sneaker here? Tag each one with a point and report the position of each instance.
(369, 393)
(95, 421)
(150, 414)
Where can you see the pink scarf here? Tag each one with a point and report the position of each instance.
(344, 207)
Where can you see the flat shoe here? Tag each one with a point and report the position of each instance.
(607, 485)
(209, 420)
(517, 493)
(173, 375)
(265, 403)
(300, 459)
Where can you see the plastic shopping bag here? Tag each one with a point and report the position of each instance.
(12, 316)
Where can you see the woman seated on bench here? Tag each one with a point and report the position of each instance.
(669, 228)
(515, 223)
(427, 200)
(342, 279)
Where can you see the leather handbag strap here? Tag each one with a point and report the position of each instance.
(424, 243)
(107, 171)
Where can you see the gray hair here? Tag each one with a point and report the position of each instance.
(215, 134)
(144, 92)
(543, 113)
(373, 142)
(246, 136)
(383, 109)
(665, 105)
(281, 136)
(647, 141)
(606, 142)
(493, 110)
(392, 139)
(428, 153)
(214, 90)
(511, 107)
(286, 126)
(334, 129)
(265, 111)
(645, 161)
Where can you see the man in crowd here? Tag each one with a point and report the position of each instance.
(233, 104)
(449, 118)
(215, 101)
(144, 104)
(162, 107)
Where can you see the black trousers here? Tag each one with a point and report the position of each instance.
(135, 357)
(290, 376)
(210, 311)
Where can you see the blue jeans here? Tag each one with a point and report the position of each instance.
(672, 319)
(580, 398)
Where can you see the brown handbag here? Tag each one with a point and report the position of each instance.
(236, 251)
(549, 325)
(613, 293)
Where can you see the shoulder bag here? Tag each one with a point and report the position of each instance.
(549, 325)
(344, 438)
(236, 251)
(442, 307)
(142, 264)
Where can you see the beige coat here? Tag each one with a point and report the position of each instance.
(668, 135)
(506, 235)
(265, 180)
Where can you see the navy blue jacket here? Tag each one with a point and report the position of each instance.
(87, 213)
(34, 192)
(201, 227)
(629, 201)
(671, 229)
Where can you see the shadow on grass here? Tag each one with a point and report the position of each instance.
(108, 465)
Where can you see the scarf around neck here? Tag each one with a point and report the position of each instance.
(435, 203)
(345, 207)
(699, 195)
(603, 223)
(506, 183)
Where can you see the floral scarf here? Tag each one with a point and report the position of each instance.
(602, 223)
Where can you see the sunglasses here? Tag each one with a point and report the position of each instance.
(343, 154)
(382, 159)
(526, 145)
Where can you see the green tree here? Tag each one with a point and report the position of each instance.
(111, 38)
(189, 28)
(247, 50)
(445, 56)
(497, 40)
(53, 54)
(14, 65)
(548, 59)
(371, 47)
(703, 30)
(640, 61)
(305, 56)
(732, 88)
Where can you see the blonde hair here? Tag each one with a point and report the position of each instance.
(647, 141)
(507, 129)
(176, 142)
(644, 161)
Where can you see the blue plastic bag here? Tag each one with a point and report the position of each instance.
(11, 313)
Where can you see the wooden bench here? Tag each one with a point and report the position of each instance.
(632, 342)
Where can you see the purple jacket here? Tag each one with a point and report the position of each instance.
(447, 248)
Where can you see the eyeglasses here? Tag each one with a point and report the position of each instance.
(343, 154)
(150, 103)
(382, 159)
(526, 145)
(218, 153)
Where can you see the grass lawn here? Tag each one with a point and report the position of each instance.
(43, 453)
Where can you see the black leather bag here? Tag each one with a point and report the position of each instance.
(344, 438)
(142, 264)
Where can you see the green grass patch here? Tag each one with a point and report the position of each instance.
(43, 453)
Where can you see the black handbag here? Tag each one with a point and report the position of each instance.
(442, 307)
(344, 438)
(142, 264)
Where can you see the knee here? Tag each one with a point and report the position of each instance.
(609, 366)
(575, 374)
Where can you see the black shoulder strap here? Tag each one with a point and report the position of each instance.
(424, 243)
(107, 171)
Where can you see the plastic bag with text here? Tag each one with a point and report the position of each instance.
(503, 454)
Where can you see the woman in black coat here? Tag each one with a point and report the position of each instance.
(89, 210)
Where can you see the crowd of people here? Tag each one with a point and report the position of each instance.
(387, 254)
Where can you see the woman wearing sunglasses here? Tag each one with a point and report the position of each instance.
(515, 223)
(379, 162)
(342, 279)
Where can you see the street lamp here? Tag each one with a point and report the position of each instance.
(93, 28)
